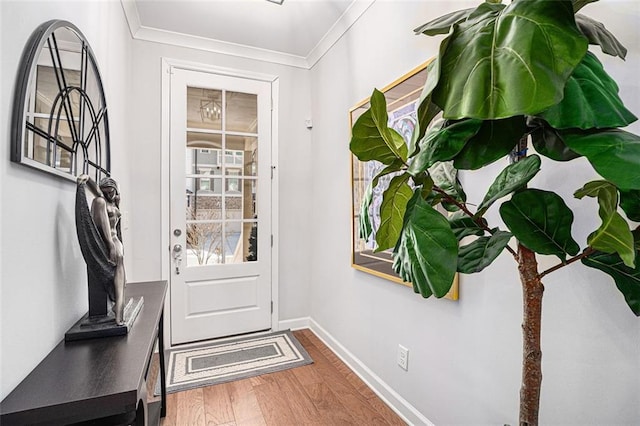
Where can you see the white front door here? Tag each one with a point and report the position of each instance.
(220, 205)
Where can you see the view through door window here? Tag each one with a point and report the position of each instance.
(221, 177)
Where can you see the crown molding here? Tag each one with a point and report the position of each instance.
(348, 18)
(217, 46)
(342, 25)
(131, 14)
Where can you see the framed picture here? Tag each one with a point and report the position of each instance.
(402, 103)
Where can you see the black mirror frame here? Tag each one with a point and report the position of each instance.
(26, 76)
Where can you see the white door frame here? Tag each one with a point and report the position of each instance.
(168, 65)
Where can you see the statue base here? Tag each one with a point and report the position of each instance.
(105, 326)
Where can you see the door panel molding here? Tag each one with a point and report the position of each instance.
(198, 291)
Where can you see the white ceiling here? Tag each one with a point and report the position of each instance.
(297, 33)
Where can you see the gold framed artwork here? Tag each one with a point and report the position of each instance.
(402, 103)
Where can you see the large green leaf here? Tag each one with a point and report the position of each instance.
(627, 279)
(614, 153)
(445, 177)
(393, 139)
(494, 140)
(506, 61)
(463, 225)
(547, 142)
(443, 143)
(513, 177)
(479, 254)
(372, 139)
(392, 210)
(433, 76)
(419, 159)
(443, 24)
(590, 101)
(365, 227)
(427, 252)
(596, 33)
(599, 188)
(630, 203)
(541, 221)
(613, 235)
(427, 110)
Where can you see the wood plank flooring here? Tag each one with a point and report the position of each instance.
(326, 392)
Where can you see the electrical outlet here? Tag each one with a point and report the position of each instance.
(403, 357)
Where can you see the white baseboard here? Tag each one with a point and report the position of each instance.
(401, 406)
(294, 324)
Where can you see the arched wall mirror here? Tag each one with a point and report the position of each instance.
(60, 122)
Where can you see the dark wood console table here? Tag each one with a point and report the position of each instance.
(97, 381)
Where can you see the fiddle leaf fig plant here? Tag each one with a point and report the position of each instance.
(508, 79)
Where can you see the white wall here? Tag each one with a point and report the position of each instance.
(43, 288)
(465, 356)
(293, 166)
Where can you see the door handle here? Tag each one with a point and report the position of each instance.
(177, 257)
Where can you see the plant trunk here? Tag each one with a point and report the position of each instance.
(532, 290)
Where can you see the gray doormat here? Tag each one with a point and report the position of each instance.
(213, 363)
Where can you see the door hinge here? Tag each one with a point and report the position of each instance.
(271, 240)
(272, 169)
(272, 306)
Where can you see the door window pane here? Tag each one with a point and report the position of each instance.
(204, 140)
(232, 185)
(241, 242)
(203, 154)
(233, 252)
(203, 162)
(241, 112)
(241, 206)
(204, 201)
(204, 244)
(233, 207)
(204, 108)
(245, 155)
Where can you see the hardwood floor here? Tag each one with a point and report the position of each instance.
(326, 392)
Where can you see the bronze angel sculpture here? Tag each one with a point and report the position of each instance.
(100, 241)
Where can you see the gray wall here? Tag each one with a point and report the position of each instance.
(465, 356)
(42, 274)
